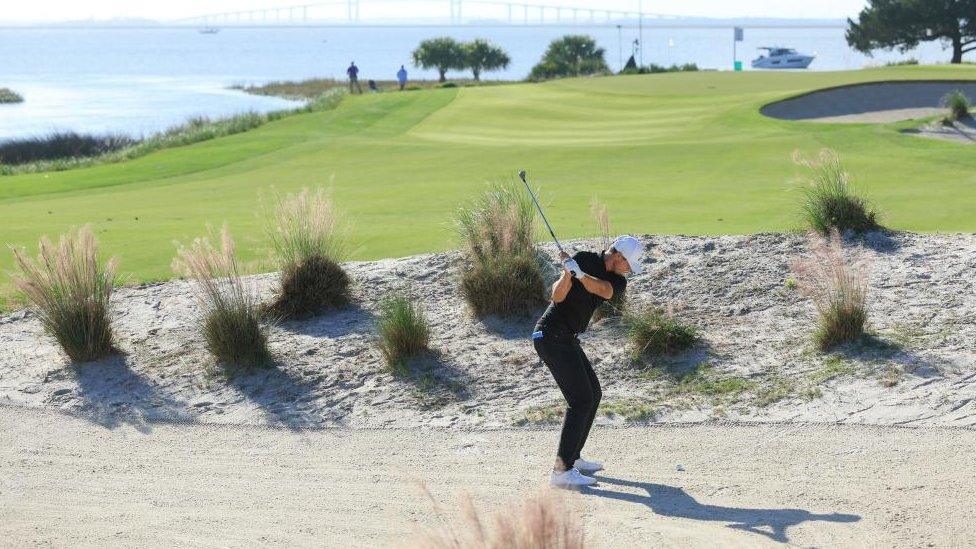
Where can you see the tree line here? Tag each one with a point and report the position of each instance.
(881, 24)
(571, 55)
(446, 54)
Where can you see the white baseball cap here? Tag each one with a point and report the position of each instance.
(631, 249)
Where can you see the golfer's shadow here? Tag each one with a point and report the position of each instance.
(670, 501)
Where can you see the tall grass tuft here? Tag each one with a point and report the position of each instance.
(958, 105)
(652, 331)
(71, 291)
(503, 277)
(829, 199)
(837, 287)
(309, 243)
(404, 331)
(543, 521)
(615, 305)
(60, 145)
(231, 320)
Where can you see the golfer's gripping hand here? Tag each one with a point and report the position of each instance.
(573, 267)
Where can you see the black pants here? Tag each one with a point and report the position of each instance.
(580, 387)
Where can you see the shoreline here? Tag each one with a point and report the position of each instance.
(194, 130)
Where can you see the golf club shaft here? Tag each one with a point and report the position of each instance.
(539, 207)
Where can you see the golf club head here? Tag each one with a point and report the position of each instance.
(522, 176)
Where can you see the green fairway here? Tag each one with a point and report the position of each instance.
(670, 153)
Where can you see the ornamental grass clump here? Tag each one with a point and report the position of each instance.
(404, 331)
(230, 317)
(653, 332)
(502, 276)
(70, 291)
(838, 288)
(543, 521)
(830, 200)
(958, 105)
(308, 243)
(615, 305)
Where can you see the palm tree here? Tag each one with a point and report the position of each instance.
(439, 53)
(571, 55)
(482, 55)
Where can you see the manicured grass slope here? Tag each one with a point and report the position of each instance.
(669, 153)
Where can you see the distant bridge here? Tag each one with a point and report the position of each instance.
(455, 12)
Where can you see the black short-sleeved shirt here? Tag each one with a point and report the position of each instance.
(572, 315)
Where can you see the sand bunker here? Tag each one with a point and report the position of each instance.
(963, 131)
(917, 369)
(879, 102)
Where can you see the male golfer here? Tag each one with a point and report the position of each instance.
(588, 279)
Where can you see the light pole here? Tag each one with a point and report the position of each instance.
(640, 29)
(620, 49)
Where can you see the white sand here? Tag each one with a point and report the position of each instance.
(70, 482)
(879, 102)
(960, 131)
(922, 306)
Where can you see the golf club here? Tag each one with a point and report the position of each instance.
(539, 207)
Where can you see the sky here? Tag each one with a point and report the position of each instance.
(62, 10)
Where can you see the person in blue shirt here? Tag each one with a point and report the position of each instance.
(402, 77)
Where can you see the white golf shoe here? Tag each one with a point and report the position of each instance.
(588, 467)
(570, 479)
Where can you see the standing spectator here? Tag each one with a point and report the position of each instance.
(353, 72)
(402, 77)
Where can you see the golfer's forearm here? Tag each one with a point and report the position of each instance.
(596, 286)
(561, 288)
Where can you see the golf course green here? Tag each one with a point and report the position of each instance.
(669, 153)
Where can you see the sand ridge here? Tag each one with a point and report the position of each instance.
(919, 367)
(874, 102)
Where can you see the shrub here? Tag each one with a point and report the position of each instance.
(653, 332)
(9, 96)
(309, 244)
(71, 291)
(404, 332)
(503, 277)
(654, 68)
(543, 521)
(830, 201)
(837, 287)
(510, 286)
(902, 63)
(231, 321)
(61, 145)
(958, 105)
(571, 55)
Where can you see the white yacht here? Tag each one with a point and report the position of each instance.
(781, 58)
